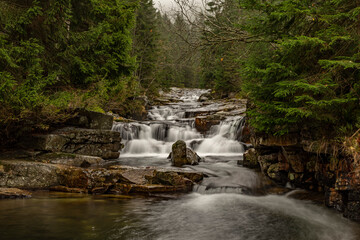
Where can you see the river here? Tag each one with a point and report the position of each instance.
(233, 202)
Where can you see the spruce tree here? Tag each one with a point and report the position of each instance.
(307, 74)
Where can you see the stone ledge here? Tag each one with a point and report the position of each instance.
(46, 176)
(13, 193)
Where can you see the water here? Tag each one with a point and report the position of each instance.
(231, 203)
(176, 122)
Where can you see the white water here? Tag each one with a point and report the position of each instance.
(167, 124)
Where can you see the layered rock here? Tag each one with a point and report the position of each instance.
(182, 155)
(114, 180)
(311, 165)
(91, 120)
(101, 143)
(69, 159)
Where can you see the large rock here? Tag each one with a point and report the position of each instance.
(181, 155)
(92, 120)
(100, 143)
(116, 179)
(28, 175)
(178, 154)
(205, 97)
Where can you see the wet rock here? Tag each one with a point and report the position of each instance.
(205, 97)
(181, 155)
(100, 143)
(46, 176)
(71, 159)
(266, 160)
(91, 120)
(274, 172)
(203, 124)
(192, 157)
(352, 210)
(13, 193)
(170, 179)
(251, 159)
(296, 162)
(67, 189)
(334, 199)
(178, 156)
(147, 189)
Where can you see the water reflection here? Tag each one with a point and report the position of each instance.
(195, 216)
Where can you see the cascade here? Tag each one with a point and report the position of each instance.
(170, 123)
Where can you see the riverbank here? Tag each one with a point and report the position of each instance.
(304, 162)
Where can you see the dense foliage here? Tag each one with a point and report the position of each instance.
(307, 75)
(60, 54)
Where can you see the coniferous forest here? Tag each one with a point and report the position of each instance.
(297, 61)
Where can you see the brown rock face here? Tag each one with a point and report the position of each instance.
(203, 123)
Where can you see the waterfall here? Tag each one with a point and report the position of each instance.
(173, 122)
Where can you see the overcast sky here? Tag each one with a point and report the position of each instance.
(164, 4)
(167, 5)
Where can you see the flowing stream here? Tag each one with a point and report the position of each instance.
(231, 203)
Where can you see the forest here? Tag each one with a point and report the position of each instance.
(296, 61)
(213, 119)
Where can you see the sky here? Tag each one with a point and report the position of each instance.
(164, 4)
(167, 5)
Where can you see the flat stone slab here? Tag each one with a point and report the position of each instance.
(13, 193)
(116, 179)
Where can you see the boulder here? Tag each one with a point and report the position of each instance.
(178, 154)
(28, 175)
(181, 155)
(100, 143)
(205, 97)
(90, 119)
